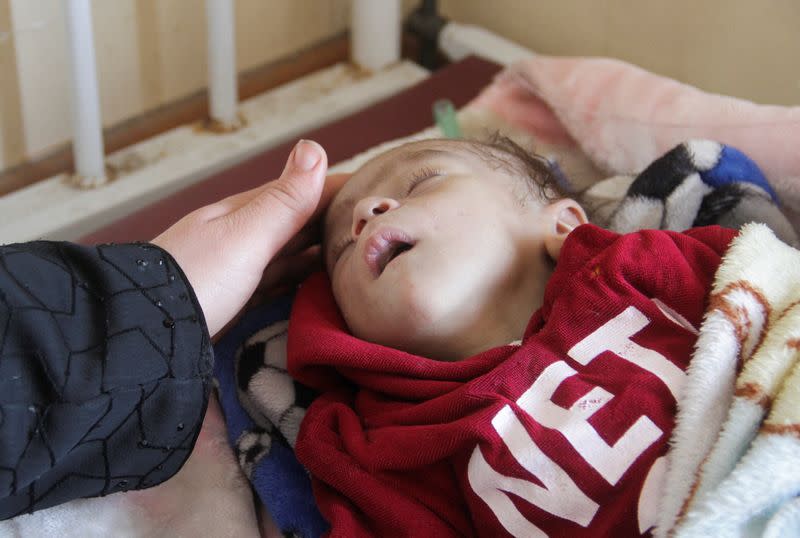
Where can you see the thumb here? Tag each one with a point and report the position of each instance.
(272, 217)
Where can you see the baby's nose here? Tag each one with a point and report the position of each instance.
(369, 208)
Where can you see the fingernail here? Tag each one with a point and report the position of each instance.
(306, 155)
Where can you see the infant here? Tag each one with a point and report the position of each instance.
(470, 384)
(443, 248)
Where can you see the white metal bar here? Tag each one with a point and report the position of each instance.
(87, 144)
(460, 40)
(184, 155)
(222, 84)
(375, 33)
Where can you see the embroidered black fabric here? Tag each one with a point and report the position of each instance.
(105, 369)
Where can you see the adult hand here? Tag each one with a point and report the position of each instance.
(224, 248)
(228, 250)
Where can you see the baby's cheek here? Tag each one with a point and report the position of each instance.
(361, 312)
(419, 307)
(343, 296)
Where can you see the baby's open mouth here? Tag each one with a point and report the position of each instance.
(391, 254)
(383, 247)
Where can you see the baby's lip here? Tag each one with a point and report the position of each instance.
(383, 246)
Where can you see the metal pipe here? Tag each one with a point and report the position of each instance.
(375, 33)
(222, 83)
(457, 41)
(87, 144)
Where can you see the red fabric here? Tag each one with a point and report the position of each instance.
(390, 441)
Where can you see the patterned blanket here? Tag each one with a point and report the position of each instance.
(733, 465)
(752, 322)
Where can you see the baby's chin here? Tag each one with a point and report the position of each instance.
(437, 341)
(437, 351)
(415, 321)
(420, 343)
(434, 350)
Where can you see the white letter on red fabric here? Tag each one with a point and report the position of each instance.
(560, 496)
(615, 336)
(610, 461)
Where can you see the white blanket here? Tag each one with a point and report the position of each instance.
(734, 465)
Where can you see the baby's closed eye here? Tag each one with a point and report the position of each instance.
(421, 175)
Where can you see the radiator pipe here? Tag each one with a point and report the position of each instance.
(222, 84)
(375, 33)
(87, 143)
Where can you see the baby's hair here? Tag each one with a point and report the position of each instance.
(500, 151)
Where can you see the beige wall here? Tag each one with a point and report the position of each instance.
(149, 52)
(745, 48)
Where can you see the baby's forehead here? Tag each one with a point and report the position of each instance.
(396, 162)
(400, 159)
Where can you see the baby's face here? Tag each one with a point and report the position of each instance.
(417, 240)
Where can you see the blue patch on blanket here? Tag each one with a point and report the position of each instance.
(734, 166)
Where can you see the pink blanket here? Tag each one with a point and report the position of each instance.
(623, 117)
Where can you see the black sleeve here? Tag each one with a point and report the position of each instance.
(105, 369)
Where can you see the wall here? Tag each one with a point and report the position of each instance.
(149, 53)
(744, 48)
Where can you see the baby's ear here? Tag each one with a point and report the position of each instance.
(565, 215)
